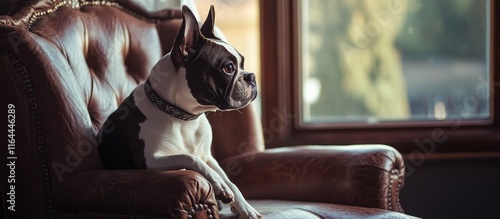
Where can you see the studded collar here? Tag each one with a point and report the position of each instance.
(165, 106)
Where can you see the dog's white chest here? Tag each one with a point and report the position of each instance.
(165, 135)
(163, 138)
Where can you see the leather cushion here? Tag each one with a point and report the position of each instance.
(280, 209)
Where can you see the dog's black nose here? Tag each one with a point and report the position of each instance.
(250, 77)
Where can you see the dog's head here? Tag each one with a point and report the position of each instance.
(214, 69)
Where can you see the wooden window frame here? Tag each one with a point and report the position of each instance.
(280, 89)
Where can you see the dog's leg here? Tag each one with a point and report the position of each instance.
(190, 162)
(240, 206)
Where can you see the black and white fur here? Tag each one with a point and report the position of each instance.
(201, 73)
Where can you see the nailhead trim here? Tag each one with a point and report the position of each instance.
(78, 4)
(124, 9)
(33, 106)
(389, 195)
(390, 201)
(397, 195)
(201, 207)
(36, 15)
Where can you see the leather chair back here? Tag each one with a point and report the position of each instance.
(82, 61)
(67, 65)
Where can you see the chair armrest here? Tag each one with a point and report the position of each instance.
(361, 175)
(111, 193)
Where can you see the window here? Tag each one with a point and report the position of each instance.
(393, 60)
(396, 72)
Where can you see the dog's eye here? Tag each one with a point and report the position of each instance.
(228, 69)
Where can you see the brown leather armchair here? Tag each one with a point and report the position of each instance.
(67, 64)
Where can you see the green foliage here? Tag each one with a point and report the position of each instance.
(356, 48)
(444, 28)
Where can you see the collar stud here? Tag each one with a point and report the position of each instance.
(165, 106)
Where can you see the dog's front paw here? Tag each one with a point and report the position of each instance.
(244, 210)
(224, 197)
(222, 191)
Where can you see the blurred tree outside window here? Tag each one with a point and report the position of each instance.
(372, 61)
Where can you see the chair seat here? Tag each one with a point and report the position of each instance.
(281, 209)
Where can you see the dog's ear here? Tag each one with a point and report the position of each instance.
(207, 29)
(188, 41)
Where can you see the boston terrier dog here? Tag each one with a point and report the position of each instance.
(162, 124)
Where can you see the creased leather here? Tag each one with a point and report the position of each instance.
(349, 175)
(140, 192)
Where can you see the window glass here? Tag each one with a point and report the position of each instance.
(371, 61)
